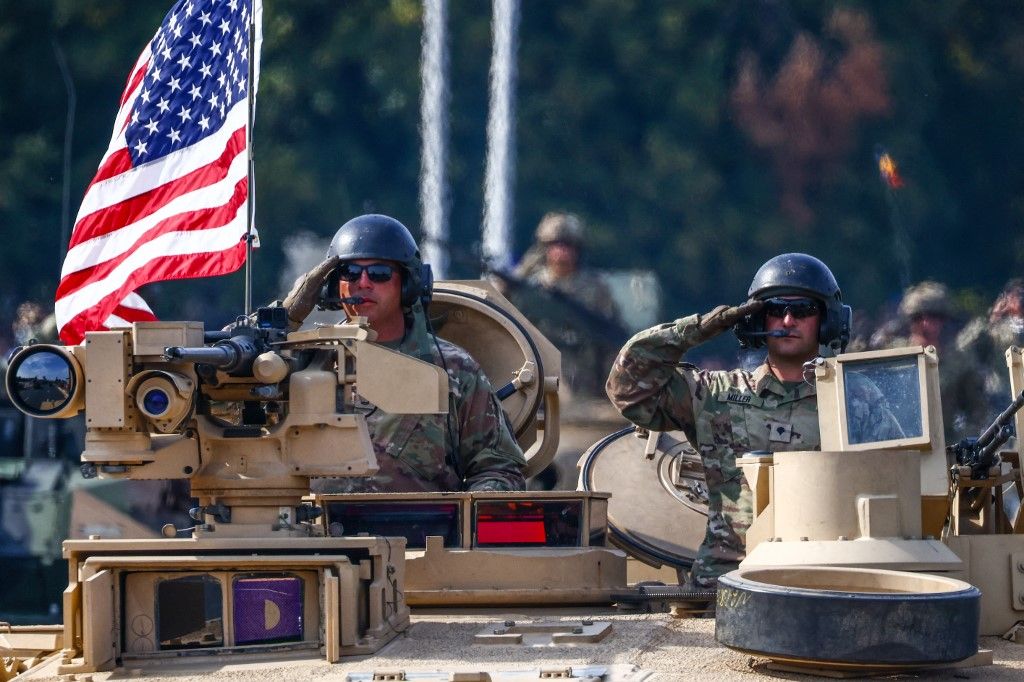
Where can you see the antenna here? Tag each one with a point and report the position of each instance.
(251, 203)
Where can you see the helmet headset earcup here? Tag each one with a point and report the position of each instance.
(417, 284)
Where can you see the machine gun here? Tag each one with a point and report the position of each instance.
(161, 402)
(980, 453)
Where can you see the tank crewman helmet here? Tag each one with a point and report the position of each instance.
(926, 298)
(382, 237)
(798, 274)
(560, 227)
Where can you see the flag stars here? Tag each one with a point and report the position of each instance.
(197, 72)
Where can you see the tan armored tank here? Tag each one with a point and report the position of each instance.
(470, 586)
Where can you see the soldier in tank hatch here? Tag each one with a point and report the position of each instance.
(794, 306)
(373, 270)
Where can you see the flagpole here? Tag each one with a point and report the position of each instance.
(251, 203)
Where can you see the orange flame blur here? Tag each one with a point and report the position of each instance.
(890, 174)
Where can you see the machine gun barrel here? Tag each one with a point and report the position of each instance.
(996, 427)
(217, 356)
(980, 453)
(234, 356)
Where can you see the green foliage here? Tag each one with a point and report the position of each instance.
(629, 113)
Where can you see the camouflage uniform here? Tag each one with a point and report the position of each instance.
(985, 342)
(963, 380)
(583, 286)
(725, 415)
(415, 451)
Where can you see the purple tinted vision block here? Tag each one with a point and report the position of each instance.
(267, 609)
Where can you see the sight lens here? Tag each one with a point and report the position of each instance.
(156, 401)
(42, 381)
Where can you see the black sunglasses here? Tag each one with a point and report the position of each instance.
(799, 308)
(377, 272)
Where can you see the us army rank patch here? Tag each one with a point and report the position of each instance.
(779, 432)
(737, 397)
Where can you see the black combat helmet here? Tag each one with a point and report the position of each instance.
(797, 274)
(379, 236)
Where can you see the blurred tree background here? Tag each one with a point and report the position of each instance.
(696, 138)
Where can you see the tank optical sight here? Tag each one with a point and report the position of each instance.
(45, 380)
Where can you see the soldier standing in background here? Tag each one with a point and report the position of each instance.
(570, 304)
(985, 340)
(794, 306)
(553, 262)
(926, 318)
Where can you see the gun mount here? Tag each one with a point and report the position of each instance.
(168, 407)
(981, 453)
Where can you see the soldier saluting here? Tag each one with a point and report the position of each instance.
(794, 306)
(373, 270)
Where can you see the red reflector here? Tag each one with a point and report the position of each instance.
(510, 532)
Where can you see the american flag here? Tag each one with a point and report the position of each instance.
(170, 198)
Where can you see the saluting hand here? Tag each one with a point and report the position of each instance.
(724, 317)
(306, 290)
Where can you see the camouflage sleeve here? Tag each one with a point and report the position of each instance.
(645, 383)
(490, 456)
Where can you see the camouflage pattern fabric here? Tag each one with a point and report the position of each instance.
(584, 286)
(416, 452)
(984, 343)
(725, 415)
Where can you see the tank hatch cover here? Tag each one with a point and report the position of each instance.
(658, 508)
